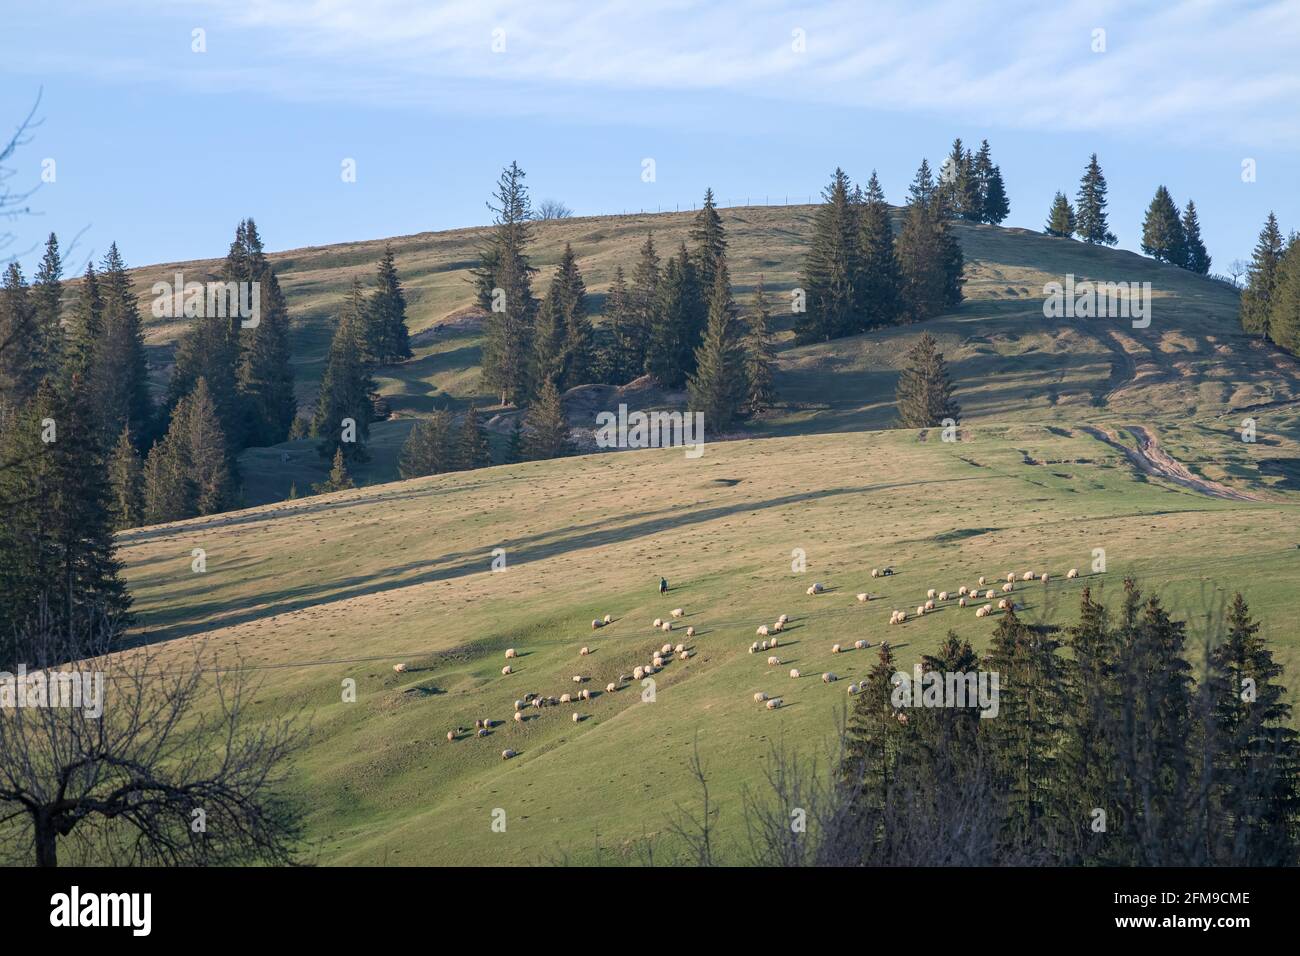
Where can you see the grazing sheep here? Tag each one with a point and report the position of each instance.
(511, 653)
(478, 725)
(961, 591)
(1011, 575)
(875, 572)
(576, 717)
(684, 655)
(483, 732)
(451, 735)
(539, 703)
(585, 651)
(399, 668)
(835, 648)
(506, 670)
(659, 622)
(638, 673)
(650, 669)
(690, 632)
(1072, 573)
(1027, 576)
(774, 703)
(677, 612)
(829, 678)
(679, 648)
(853, 689)
(668, 626)
(519, 705)
(760, 697)
(943, 595)
(929, 605)
(610, 688)
(762, 630)
(657, 661)
(666, 649)
(1043, 577)
(863, 597)
(763, 646)
(861, 645)
(607, 620)
(989, 595)
(577, 678)
(754, 647)
(794, 672)
(584, 694)
(1003, 604)
(595, 624)
(773, 642)
(774, 662)
(507, 754)
(566, 698)
(519, 717)
(778, 627)
(930, 594)
(982, 581)
(1008, 588)
(920, 610)
(783, 619)
(961, 602)
(980, 612)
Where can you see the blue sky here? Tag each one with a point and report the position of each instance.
(164, 149)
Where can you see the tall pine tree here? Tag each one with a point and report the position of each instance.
(1060, 218)
(718, 388)
(1090, 207)
(1261, 278)
(504, 283)
(343, 407)
(924, 394)
(1162, 230)
(759, 355)
(389, 339)
(831, 266)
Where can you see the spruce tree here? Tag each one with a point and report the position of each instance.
(85, 327)
(878, 286)
(1090, 207)
(563, 335)
(873, 737)
(472, 448)
(1261, 278)
(708, 242)
(679, 321)
(430, 447)
(515, 443)
(47, 298)
(759, 355)
(504, 283)
(929, 257)
(207, 452)
(345, 385)
(265, 378)
(1162, 230)
(545, 429)
(1060, 218)
(168, 486)
(389, 339)
(339, 479)
(718, 388)
(618, 359)
(957, 191)
(1284, 301)
(1197, 258)
(122, 381)
(994, 206)
(126, 484)
(643, 305)
(831, 266)
(924, 394)
(20, 343)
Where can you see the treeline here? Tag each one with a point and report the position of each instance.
(1270, 303)
(1167, 235)
(674, 319)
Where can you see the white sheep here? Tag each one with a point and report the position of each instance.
(875, 572)
(774, 662)
(584, 694)
(577, 678)
(519, 717)
(783, 619)
(929, 605)
(584, 652)
(863, 597)
(505, 670)
(666, 649)
(539, 703)
(773, 642)
(853, 689)
(982, 581)
(607, 619)
(981, 612)
(1072, 573)
(507, 754)
(930, 594)
(668, 626)
(638, 673)
(754, 647)
(762, 630)
(760, 697)
(1027, 576)
(610, 688)
(679, 648)
(659, 622)
(763, 646)
(399, 668)
(684, 655)
(829, 678)
(774, 703)
(519, 705)
(451, 735)
(1011, 575)
(943, 595)
(961, 602)
(1008, 588)
(1003, 604)
(778, 627)
(794, 672)
(835, 648)
(961, 591)
(1043, 577)
(989, 595)
(690, 632)
(920, 610)
(861, 645)
(576, 717)
(657, 661)
(677, 612)
(511, 653)
(650, 669)
(566, 698)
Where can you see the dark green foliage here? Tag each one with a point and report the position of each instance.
(126, 484)
(504, 284)
(643, 306)
(346, 385)
(1261, 279)
(1090, 207)
(994, 206)
(877, 288)
(760, 356)
(929, 257)
(718, 388)
(1060, 219)
(388, 339)
(831, 267)
(472, 448)
(620, 356)
(679, 322)
(120, 379)
(265, 378)
(1284, 302)
(924, 395)
(47, 297)
(958, 190)
(708, 242)
(563, 336)
(20, 371)
(430, 448)
(188, 472)
(545, 429)
(1162, 230)
(339, 479)
(85, 326)
(1196, 257)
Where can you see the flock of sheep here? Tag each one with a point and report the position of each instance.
(965, 596)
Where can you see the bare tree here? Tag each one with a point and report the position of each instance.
(552, 209)
(1236, 269)
(128, 758)
(14, 203)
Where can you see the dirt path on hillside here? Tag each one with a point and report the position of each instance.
(1151, 459)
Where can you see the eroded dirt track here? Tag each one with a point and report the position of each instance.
(1151, 459)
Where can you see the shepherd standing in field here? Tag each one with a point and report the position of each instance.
(663, 585)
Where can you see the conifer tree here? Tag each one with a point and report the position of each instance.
(1090, 207)
(389, 338)
(929, 257)
(679, 322)
(265, 378)
(832, 265)
(1284, 301)
(878, 286)
(563, 335)
(994, 206)
(1060, 218)
(85, 327)
(515, 443)
(708, 242)
(430, 447)
(924, 395)
(47, 297)
(545, 429)
(643, 304)
(20, 344)
(168, 487)
(1162, 230)
(126, 484)
(718, 387)
(873, 736)
(1197, 257)
(122, 373)
(210, 475)
(957, 191)
(472, 449)
(339, 479)
(504, 283)
(618, 358)
(1261, 278)
(345, 385)
(759, 355)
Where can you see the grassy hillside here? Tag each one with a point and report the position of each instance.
(344, 586)
(1193, 373)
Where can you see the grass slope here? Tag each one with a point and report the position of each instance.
(342, 586)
